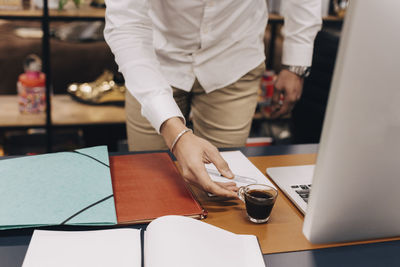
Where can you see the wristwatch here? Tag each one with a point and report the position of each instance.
(301, 71)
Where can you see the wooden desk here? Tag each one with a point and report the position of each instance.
(65, 112)
(283, 232)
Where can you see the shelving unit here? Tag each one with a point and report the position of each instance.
(84, 13)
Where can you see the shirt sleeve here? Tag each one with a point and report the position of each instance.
(129, 34)
(302, 22)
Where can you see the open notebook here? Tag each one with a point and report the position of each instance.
(168, 241)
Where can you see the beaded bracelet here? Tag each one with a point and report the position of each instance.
(178, 137)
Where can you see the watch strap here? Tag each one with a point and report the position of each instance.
(301, 71)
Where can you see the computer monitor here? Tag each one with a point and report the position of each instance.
(355, 192)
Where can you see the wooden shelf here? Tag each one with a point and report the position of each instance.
(65, 112)
(85, 11)
(20, 13)
(332, 18)
(88, 12)
(11, 117)
(278, 18)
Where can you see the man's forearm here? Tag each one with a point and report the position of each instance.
(170, 129)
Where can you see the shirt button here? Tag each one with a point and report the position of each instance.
(205, 29)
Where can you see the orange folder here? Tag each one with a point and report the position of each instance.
(147, 186)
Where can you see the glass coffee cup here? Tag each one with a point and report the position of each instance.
(259, 200)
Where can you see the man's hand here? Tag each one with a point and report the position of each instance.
(192, 153)
(288, 89)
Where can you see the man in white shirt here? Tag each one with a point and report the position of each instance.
(209, 56)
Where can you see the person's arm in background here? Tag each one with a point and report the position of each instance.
(302, 22)
(129, 34)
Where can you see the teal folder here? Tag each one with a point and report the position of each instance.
(72, 188)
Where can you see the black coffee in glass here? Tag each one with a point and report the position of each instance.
(259, 204)
(259, 200)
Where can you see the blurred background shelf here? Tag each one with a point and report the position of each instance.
(74, 125)
(65, 112)
(84, 12)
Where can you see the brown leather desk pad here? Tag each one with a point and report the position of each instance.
(283, 232)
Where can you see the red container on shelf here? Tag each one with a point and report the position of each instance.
(31, 87)
(267, 91)
(267, 87)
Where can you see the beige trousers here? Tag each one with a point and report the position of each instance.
(223, 117)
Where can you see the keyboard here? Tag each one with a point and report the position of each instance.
(302, 190)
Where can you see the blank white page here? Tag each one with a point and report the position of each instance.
(181, 241)
(100, 248)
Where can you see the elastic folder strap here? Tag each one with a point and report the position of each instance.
(178, 137)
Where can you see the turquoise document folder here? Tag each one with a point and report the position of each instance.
(71, 188)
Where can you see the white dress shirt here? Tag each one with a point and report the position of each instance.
(162, 43)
